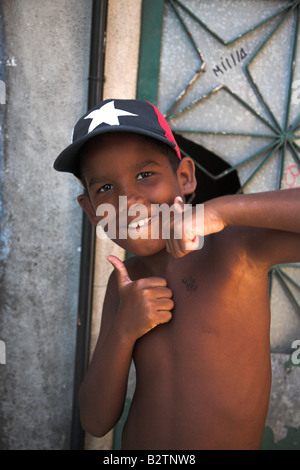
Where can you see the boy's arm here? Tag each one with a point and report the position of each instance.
(131, 309)
(103, 390)
(278, 210)
(275, 213)
(275, 220)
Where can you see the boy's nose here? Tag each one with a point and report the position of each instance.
(129, 197)
(132, 194)
(134, 199)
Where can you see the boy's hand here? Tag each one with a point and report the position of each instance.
(144, 303)
(192, 226)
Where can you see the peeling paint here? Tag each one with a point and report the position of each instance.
(290, 442)
(291, 362)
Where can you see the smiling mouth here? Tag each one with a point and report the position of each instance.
(136, 224)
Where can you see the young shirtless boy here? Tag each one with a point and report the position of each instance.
(195, 321)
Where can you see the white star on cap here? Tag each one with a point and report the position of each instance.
(108, 114)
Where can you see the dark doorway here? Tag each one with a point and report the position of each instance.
(208, 187)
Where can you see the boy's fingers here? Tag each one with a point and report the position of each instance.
(121, 271)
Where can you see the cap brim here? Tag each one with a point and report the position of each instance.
(67, 160)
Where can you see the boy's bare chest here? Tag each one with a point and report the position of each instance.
(214, 300)
(219, 326)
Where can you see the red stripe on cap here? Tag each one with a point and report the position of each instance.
(169, 135)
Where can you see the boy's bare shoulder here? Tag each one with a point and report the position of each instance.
(225, 247)
(263, 246)
(232, 238)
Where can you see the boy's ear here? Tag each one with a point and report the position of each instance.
(86, 205)
(186, 175)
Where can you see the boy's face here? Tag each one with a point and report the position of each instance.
(129, 165)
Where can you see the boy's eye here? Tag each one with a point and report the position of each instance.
(105, 187)
(144, 174)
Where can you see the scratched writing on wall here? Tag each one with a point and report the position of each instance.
(229, 62)
(292, 176)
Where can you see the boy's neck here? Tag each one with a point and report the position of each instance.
(159, 263)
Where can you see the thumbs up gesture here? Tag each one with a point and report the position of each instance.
(144, 303)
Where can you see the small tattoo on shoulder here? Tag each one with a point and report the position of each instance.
(190, 284)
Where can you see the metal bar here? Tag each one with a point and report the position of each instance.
(288, 265)
(287, 289)
(292, 281)
(99, 14)
(259, 167)
(281, 170)
(244, 103)
(252, 81)
(198, 52)
(295, 127)
(261, 23)
(248, 159)
(233, 168)
(294, 151)
(271, 277)
(292, 68)
(223, 133)
(235, 96)
(190, 37)
(149, 54)
(195, 17)
(216, 36)
(193, 103)
(261, 98)
(183, 93)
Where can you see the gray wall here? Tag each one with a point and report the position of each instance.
(47, 58)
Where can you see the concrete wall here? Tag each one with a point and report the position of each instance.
(47, 46)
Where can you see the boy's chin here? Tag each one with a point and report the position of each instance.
(141, 247)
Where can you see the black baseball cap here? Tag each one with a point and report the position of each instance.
(114, 115)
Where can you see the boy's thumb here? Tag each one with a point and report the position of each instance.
(178, 204)
(122, 275)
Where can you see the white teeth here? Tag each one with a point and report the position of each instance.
(133, 225)
(139, 223)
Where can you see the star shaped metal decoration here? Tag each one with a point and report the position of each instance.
(252, 112)
(243, 90)
(107, 114)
